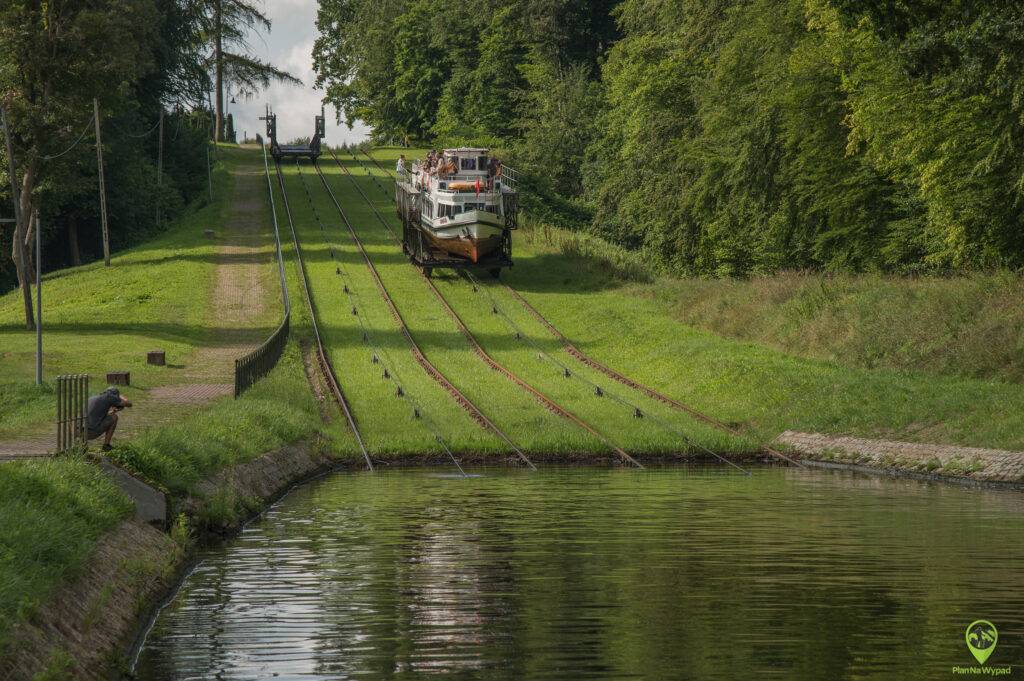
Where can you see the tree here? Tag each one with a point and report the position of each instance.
(226, 25)
(56, 59)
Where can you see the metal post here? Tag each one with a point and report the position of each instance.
(103, 189)
(209, 171)
(60, 422)
(160, 169)
(39, 300)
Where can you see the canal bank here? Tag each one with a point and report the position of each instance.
(89, 625)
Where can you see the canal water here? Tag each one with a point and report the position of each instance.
(587, 573)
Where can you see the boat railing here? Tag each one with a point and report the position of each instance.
(510, 177)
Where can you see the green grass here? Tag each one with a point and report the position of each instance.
(919, 340)
(524, 419)
(278, 410)
(98, 319)
(970, 326)
(635, 327)
(52, 513)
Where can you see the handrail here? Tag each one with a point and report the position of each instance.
(256, 364)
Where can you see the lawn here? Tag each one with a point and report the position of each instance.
(98, 319)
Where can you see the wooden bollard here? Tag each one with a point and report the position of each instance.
(119, 378)
(156, 358)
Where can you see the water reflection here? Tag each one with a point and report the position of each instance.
(603, 574)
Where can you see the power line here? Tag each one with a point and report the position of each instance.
(85, 130)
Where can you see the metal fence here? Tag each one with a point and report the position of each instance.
(258, 363)
(72, 400)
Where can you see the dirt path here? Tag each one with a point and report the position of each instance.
(240, 315)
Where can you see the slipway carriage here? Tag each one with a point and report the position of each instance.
(279, 151)
(458, 210)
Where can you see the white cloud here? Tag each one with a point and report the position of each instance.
(289, 45)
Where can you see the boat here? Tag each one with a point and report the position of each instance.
(458, 209)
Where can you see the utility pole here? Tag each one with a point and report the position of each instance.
(39, 299)
(160, 170)
(103, 188)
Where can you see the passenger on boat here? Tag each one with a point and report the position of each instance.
(400, 166)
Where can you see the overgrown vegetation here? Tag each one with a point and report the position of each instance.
(721, 138)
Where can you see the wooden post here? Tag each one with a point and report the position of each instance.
(160, 169)
(103, 189)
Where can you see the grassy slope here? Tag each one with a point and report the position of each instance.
(99, 319)
(51, 515)
(633, 327)
(965, 326)
(53, 511)
(528, 423)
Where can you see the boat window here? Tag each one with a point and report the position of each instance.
(456, 210)
(467, 163)
(430, 209)
(481, 163)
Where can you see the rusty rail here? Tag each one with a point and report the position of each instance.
(414, 347)
(325, 363)
(543, 399)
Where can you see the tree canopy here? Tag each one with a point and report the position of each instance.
(724, 137)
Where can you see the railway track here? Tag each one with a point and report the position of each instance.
(540, 397)
(586, 359)
(325, 362)
(431, 370)
(379, 353)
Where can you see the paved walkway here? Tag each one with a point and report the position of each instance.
(987, 465)
(238, 307)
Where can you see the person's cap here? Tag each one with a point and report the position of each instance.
(113, 391)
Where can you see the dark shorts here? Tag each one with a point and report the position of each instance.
(102, 428)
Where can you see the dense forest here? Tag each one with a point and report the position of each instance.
(134, 59)
(722, 137)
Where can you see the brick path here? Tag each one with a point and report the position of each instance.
(988, 465)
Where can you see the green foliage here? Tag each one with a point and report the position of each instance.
(725, 138)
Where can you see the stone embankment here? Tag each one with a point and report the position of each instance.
(963, 464)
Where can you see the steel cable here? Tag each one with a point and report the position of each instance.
(380, 354)
(80, 137)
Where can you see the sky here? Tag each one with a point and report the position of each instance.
(289, 46)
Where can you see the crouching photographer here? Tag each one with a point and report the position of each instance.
(102, 415)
